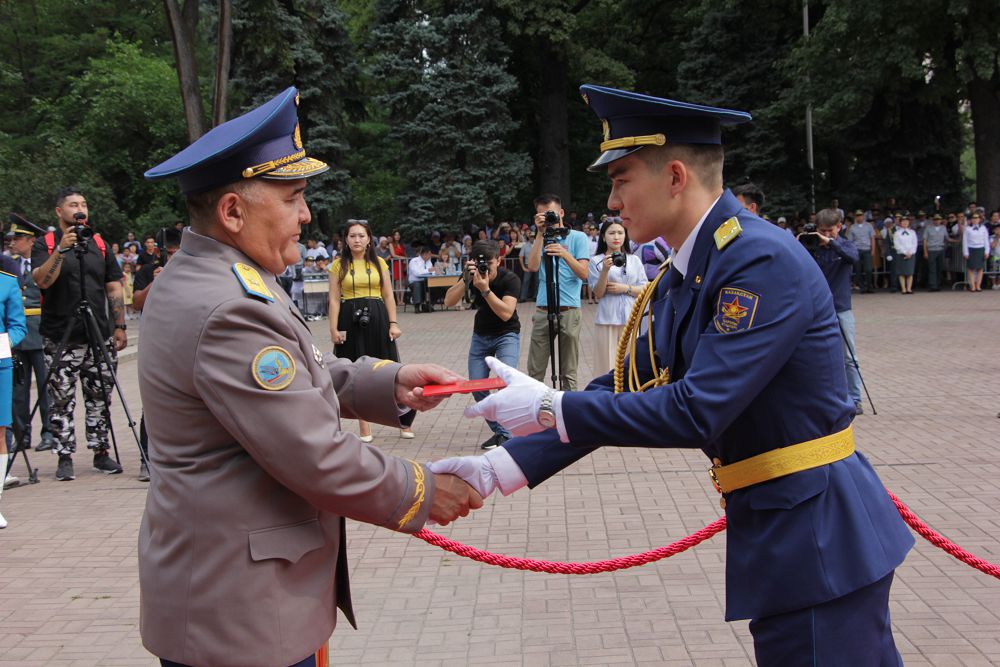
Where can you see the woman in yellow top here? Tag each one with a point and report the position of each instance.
(362, 308)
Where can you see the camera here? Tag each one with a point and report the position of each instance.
(82, 231)
(554, 234)
(362, 317)
(618, 258)
(482, 265)
(810, 237)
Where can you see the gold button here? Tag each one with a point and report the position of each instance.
(722, 502)
(717, 461)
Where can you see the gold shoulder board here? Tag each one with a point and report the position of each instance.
(726, 232)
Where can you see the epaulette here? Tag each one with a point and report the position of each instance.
(726, 232)
(251, 282)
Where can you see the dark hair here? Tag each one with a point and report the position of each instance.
(750, 192)
(63, 193)
(488, 249)
(171, 238)
(828, 217)
(705, 160)
(602, 245)
(348, 257)
(546, 199)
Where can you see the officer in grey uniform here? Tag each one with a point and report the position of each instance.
(242, 559)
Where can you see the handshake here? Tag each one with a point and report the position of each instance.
(462, 482)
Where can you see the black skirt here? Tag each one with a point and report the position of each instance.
(370, 340)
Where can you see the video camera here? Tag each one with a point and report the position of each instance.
(83, 232)
(810, 237)
(553, 234)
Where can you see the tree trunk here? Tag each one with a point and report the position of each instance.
(553, 125)
(984, 98)
(221, 98)
(183, 29)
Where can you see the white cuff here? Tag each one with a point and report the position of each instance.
(560, 422)
(508, 474)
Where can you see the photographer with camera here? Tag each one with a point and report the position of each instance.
(570, 251)
(61, 292)
(836, 257)
(617, 278)
(496, 331)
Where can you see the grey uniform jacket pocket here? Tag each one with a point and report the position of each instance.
(286, 542)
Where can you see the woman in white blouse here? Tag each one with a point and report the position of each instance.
(975, 247)
(617, 279)
(904, 242)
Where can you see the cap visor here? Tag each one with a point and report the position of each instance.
(607, 157)
(303, 168)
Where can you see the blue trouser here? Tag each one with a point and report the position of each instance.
(505, 347)
(308, 662)
(863, 270)
(935, 267)
(850, 355)
(849, 631)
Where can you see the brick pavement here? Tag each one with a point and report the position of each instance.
(68, 583)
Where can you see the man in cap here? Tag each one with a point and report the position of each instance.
(746, 364)
(30, 351)
(241, 547)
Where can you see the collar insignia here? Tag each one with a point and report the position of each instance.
(273, 368)
(735, 309)
(318, 356)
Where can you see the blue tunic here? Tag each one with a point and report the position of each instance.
(756, 363)
(12, 319)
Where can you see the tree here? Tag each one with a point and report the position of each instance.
(445, 88)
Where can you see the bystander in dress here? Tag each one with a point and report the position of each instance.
(904, 242)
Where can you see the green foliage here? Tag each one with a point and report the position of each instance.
(445, 86)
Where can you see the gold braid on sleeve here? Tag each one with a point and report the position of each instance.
(628, 342)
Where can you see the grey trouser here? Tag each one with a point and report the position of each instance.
(568, 348)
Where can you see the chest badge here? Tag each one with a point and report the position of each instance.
(735, 309)
(318, 356)
(273, 368)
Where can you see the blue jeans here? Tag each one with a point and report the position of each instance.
(850, 355)
(505, 347)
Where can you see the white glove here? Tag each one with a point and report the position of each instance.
(475, 471)
(516, 406)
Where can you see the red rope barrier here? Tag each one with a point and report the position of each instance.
(683, 544)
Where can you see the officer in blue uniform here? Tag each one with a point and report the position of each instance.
(747, 365)
(12, 330)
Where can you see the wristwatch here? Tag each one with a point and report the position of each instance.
(123, 327)
(546, 410)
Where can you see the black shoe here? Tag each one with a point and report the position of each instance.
(143, 472)
(106, 464)
(859, 409)
(47, 442)
(494, 442)
(64, 471)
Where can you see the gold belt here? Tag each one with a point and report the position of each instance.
(783, 461)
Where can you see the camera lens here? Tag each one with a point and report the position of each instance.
(618, 259)
(551, 218)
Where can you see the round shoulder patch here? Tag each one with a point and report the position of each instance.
(273, 368)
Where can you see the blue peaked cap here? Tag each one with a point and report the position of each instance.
(632, 120)
(264, 142)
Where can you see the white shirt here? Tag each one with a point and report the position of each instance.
(417, 268)
(683, 255)
(614, 309)
(904, 241)
(975, 237)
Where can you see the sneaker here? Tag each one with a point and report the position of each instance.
(11, 482)
(47, 442)
(64, 471)
(3, 521)
(859, 409)
(494, 442)
(106, 464)
(143, 472)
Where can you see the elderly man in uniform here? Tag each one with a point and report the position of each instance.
(242, 557)
(747, 365)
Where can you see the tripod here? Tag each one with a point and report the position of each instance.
(854, 360)
(554, 315)
(83, 313)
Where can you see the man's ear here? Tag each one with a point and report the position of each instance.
(676, 175)
(229, 212)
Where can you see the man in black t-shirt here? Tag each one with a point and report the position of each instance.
(496, 331)
(57, 272)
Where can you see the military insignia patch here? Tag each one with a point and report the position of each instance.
(273, 368)
(251, 281)
(735, 309)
